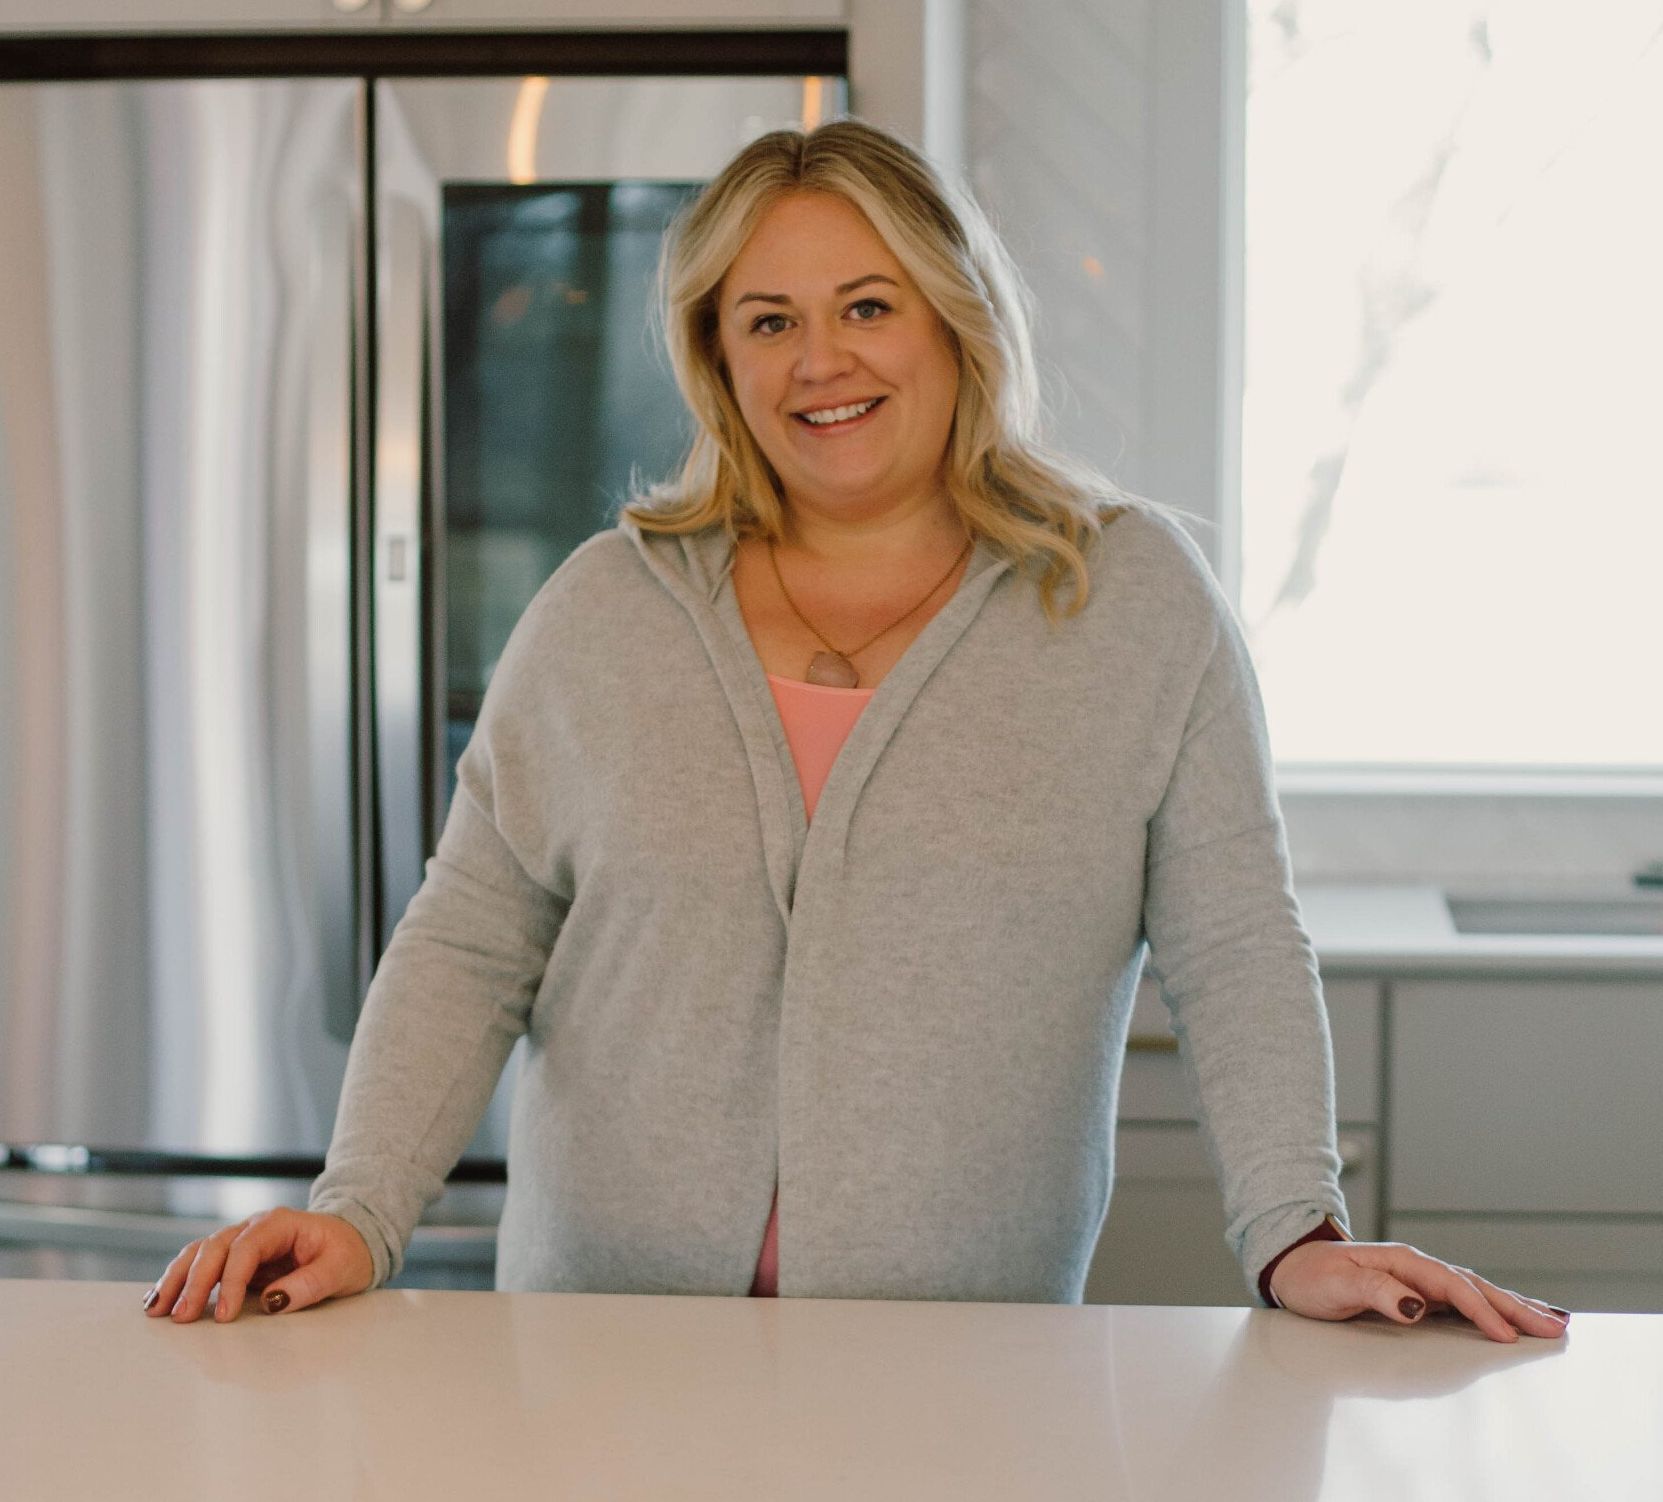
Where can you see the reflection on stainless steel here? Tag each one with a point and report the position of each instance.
(159, 1237)
(403, 766)
(180, 273)
(522, 133)
(32, 731)
(336, 297)
(126, 1228)
(814, 101)
(183, 869)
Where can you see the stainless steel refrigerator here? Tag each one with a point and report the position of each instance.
(306, 385)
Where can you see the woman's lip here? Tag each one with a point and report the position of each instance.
(826, 428)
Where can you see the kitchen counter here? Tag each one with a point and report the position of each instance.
(1398, 930)
(415, 1394)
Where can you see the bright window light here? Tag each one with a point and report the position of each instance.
(1452, 467)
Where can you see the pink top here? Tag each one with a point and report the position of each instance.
(817, 721)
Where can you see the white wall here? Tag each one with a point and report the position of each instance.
(1094, 133)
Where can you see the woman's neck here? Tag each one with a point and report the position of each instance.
(899, 540)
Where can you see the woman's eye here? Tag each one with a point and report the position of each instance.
(869, 302)
(757, 326)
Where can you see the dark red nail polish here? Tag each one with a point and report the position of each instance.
(276, 1301)
(1410, 1308)
(1563, 1314)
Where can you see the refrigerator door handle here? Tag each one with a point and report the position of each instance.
(401, 436)
(329, 470)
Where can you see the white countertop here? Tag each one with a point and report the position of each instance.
(413, 1395)
(1404, 929)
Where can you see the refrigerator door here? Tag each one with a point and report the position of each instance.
(121, 1216)
(181, 287)
(518, 224)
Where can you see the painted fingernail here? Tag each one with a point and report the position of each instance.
(276, 1301)
(1410, 1308)
(150, 1299)
(1564, 1314)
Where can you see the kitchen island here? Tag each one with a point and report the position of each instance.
(411, 1394)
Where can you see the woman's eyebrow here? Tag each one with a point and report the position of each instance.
(780, 297)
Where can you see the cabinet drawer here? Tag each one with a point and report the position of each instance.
(1163, 1239)
(1582, 1264)
(1153, 1087)
(1527, 1096)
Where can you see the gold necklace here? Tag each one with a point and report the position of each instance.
(831, 668)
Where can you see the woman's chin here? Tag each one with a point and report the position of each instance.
(844, 498)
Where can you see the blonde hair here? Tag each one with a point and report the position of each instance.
(1034, 506)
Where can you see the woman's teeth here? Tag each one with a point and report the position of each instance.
(838, 414)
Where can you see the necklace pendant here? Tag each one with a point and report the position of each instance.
(832, 670)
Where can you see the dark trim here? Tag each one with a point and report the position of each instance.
(329, 54)
(367, 781)
(75, 1160)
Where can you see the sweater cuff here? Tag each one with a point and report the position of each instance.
(1326, 1229)
(386, 1256)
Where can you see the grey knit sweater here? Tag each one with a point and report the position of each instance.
(913, 1011)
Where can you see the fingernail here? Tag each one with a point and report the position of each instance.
(222, 1310)
(1564, 1314)
(276, 1301)
(150, 1299)
(1410, 1308)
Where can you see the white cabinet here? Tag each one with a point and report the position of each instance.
(1527, 1097)
(185, 15)
(1153, 1087)
(1588, 1263)
(1163, 1241)
(1526, 1134)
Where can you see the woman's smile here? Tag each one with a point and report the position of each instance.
(828, 421)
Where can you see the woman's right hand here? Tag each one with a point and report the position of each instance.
(292, 1257)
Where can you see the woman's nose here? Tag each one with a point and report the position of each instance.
(822, 352)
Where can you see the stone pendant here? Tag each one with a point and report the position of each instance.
(832, 670)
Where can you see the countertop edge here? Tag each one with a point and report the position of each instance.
(1404, 929)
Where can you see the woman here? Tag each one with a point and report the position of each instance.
(814, 848)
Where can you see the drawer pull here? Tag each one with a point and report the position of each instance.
(1151, 1043)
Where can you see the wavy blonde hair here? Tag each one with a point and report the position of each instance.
(1030, 504)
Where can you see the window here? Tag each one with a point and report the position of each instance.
(1451, 526)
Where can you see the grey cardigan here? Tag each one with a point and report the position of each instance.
(913, 1011)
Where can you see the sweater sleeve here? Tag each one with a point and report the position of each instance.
(1236, 969)
(452, 993)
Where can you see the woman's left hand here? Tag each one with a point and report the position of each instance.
(1337, 1279)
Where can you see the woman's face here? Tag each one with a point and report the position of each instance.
(816, 316)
